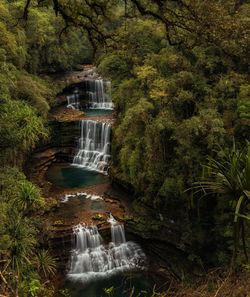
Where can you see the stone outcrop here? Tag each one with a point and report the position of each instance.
(74, 77)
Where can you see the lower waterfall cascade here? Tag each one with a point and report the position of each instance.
(91, 260)
(94, 146)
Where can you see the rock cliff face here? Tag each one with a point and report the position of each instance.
(64, 134)
(59, 148)
(165, 241)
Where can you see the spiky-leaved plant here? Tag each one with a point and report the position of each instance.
(228, 175)
(45, 263)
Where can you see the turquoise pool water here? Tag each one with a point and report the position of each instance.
(68, 176)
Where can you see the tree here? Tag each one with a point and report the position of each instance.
(20, 130)
(186, 23)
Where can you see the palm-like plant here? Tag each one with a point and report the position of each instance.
(229, 175)
(29, 197)
(22, 241)
(45, 263)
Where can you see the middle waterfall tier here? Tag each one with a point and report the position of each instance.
(94, 147)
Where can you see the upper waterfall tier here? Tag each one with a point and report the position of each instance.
(99, 92)
(90, 94)
(74, 100)
(94, 146)
(90, 259)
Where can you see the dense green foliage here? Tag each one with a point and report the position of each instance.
(229, 177)
(22, 265)
(176, 105)
(27, 48)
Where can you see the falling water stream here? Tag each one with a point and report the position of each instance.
(94, 146)
(96, 95)
(73, 100)
(99, 92)
(91, 259)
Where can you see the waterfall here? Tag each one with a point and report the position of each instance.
(94, 146)
(73, 100)
(117, 231)
(90, 259)
(99, 93)
(96, 93)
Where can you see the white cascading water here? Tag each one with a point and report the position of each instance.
(73, 100)
(91, 260)
(99, 93)
(94, 146)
